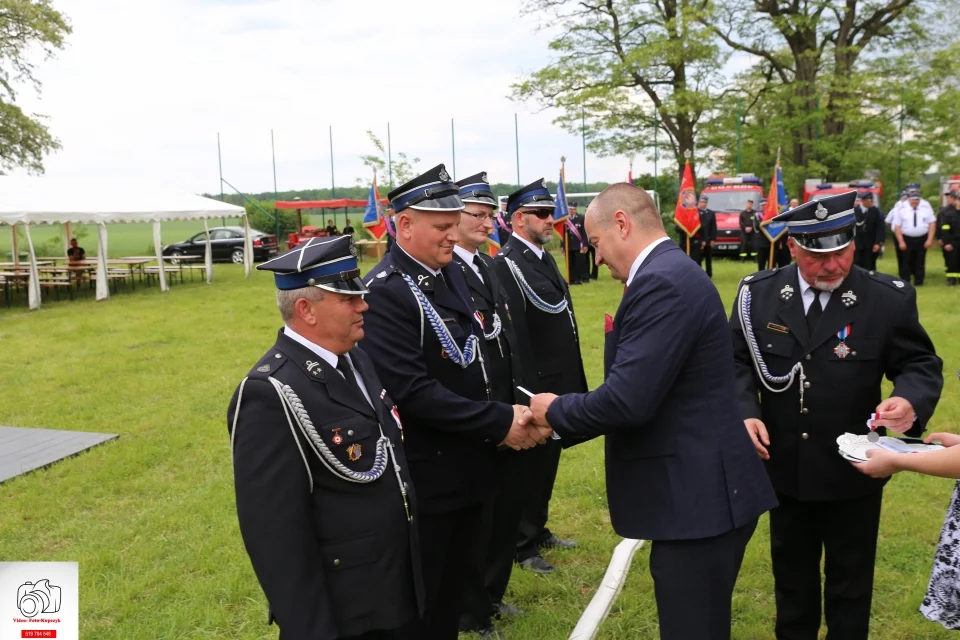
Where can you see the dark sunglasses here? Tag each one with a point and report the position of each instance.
(543, 214)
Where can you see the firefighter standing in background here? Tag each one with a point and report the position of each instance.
(748, 230)
(949, 237)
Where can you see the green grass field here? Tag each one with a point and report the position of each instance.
(150, 517)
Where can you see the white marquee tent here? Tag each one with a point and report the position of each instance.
(28, 200)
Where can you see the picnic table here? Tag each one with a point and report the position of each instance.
(177, 261)
(9, 276)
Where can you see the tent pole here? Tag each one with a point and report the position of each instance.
(16, 248)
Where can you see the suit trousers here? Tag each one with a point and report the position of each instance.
(501, 522)
(542, 471)
(592, 262)
(746, 245)
(865, 258)
(914, 259)
(706, 254)
(407, 632)
(693, 582)
(847, 531)
(450, 545)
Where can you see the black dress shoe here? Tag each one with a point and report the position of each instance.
(491, 632)
(504, 609)
(553, 542)
(538, 565)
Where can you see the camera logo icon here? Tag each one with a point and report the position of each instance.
(34, 598)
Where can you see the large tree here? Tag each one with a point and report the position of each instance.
(27, 28)
(624, 69)
(833, 65)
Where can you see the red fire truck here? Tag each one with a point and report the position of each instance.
(946, 185)
(728, 197)
(817, 189)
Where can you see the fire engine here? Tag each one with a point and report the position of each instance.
(817, 189)
(728, 197)
(946, 185)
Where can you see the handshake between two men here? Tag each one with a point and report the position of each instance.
(530, 426)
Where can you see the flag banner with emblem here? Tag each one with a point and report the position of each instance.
(493, 241)
(562, 212)
(775, 206)
(686, 215)
(373, 216)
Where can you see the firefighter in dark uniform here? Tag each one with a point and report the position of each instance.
(426, 340)
(748, 230)
(761, 243)
(577, 270)
(870, 234)
(546, 329)
(948, 227)
(501, 522)
(324, 497)
(812, 343)
(592, 268)
(701, 245)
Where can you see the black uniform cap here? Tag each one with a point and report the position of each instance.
(433, 190)
(476, 189)
(533, 196)
(822, 225)
(327, 263)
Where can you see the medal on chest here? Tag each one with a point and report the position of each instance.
(842, 350)
(337, 438)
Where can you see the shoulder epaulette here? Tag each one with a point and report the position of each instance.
(373, 279)
(268, 365)
(893, 282)
(760, 275)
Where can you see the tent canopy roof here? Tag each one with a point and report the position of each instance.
(39, 200)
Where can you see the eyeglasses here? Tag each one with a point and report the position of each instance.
(543, 214)
(480, 217)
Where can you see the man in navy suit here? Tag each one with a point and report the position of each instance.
(679, 470)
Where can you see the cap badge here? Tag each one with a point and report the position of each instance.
(543, 183)
(849, 299)
(821, 212)
(264, 369)
(353, 248)
(786, 293)
(443, 175)
(898, 284)
(354, 452)
(483, 176)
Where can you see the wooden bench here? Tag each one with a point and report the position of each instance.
(154, 271)
(56, 285)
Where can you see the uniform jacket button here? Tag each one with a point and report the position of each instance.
(804, 436)
(806, 385)
(336, 562)
(350, 432)
(439, 453)
(804, 411)
(806, 357)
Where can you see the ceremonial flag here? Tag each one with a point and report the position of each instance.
(373, 220)
(686, 215)
(493, 241)
(775, 205)
(561, 216)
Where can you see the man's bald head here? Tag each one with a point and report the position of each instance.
(633, 201)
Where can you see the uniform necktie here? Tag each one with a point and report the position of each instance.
(814, 312)
(343, 366)
(914, 217)
(481, 268)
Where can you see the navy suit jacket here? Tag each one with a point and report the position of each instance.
(679, 462)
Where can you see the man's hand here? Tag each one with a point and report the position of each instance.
(583, 249)
(896, 414)
(703, 245)
(758, 433)
(522, 436)
(880, 464)
(748, 230)
(539, 404)
(902, 245)
(940, 242)
(948, 247)
(927, 244)
(876, 248)
(946, 439)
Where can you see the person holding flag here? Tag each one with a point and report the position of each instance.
(373, 220)
(772, 235)
(543, 317)
(687, 215)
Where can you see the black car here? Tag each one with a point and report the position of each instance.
(226, 244)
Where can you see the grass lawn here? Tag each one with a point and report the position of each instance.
(151, 519)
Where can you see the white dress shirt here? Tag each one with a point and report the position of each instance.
(435, 272)
(892, 214)
(807, 292)
(329, 357)
(536, 250)
(469, 259)
(914, 223)
(643, 256)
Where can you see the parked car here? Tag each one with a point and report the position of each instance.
(226, 244)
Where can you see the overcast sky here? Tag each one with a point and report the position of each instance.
(142, 89)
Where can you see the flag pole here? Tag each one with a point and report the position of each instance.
(333, 186)
(220, 165)
(583, 139)
(687, 154)
(773, 243)
(389, 158)
(379, 215)
(516, 137)
(453, 149)
(566, 242)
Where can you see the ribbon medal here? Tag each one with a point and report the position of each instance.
(337, 438)
(842, 350)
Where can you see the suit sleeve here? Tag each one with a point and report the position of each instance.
(911, 363)
(275, 510)
(392, 340)
(653, 347)
(748, 390)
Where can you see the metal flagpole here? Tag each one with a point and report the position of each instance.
(656, 131)
(453, 149)
(333, 186)
(739, 123)
(273, 155)
(389, 158)
(900, 146)
(563, 229)
(516, 137)
(583, 138)
(220, 164)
